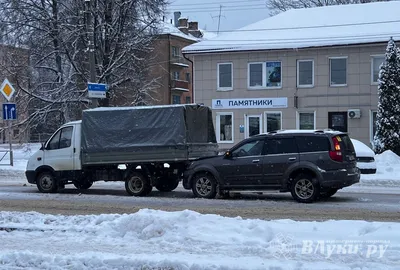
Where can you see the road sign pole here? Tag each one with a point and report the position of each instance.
(10, 140)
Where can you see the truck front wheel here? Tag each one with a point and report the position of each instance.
(138, 185)
(46, 182)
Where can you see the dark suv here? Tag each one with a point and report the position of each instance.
(309, 164)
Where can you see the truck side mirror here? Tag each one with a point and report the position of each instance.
(42, 146)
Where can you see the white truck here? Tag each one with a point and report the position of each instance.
(146, 147)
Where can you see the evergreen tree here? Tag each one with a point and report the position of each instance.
(387, 135)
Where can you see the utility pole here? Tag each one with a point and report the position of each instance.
(91, 48)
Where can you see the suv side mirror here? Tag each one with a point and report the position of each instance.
(42, 146)
(228, 154)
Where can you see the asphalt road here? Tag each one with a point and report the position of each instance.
(112, 198)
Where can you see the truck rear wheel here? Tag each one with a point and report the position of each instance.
(167, 184)
(46, 183)
(137, 184)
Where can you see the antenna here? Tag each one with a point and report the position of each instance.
(219, 17)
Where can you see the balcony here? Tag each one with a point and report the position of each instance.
(179, 61)
(178, 85)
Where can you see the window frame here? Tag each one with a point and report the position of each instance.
(298, 119)
(218, 127)
(59, 131)
(188, 98)
(298, 74)
(330, 71)
(266, 119)
(372, 67)
(251, 140)
(264, 76)
(371, 125)
(179, 99)
(173, 75)
(177, 51)
(218, 77)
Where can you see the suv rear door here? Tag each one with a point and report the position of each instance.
(281, 153)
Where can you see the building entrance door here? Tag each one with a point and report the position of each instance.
(337, 121)
(253, 125)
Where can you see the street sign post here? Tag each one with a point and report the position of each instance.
(97, 90)
(7, 89)
(9, 111)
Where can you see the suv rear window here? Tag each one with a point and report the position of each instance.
(313, 143)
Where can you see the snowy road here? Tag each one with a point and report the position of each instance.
(360, 204)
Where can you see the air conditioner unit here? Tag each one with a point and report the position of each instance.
(354, 113)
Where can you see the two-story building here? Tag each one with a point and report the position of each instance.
(310, 68)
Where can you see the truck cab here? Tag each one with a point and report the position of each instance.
(58, 157)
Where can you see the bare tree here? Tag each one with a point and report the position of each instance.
(277, 6)
(56, 34)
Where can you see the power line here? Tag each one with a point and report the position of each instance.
(225, 6)
(233, 9)
(216, 3)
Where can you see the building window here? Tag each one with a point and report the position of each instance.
(225, 76)
(338, 71)
(176, 99)
(306, 120)
(175, 51)
(274, 74)
(264, 75)
(372, 125)
(305, 73)
(376, 62)
(225, 127)
(273, 121)
(188, 77)
(255, 74)
(176, 75)
(188, 100)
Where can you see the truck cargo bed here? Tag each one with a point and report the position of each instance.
(170, 133)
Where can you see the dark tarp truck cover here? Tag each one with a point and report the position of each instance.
(146, 128)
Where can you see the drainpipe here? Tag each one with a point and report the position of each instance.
(192, 76)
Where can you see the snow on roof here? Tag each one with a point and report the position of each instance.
(311, 27)
(207, 35)
(168, 28)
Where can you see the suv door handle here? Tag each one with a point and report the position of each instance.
(256, 160)
(292, 159)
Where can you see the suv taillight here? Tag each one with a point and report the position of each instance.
(336, 154)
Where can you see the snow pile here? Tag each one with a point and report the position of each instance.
(151, 239)
(387, 173)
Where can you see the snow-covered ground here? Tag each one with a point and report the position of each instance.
(151, 239)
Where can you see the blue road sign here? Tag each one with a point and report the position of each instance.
(9, 111)
(97, 90)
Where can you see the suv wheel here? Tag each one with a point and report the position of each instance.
(304, 188)
(204, 185)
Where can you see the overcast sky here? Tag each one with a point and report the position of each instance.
(234, 13)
